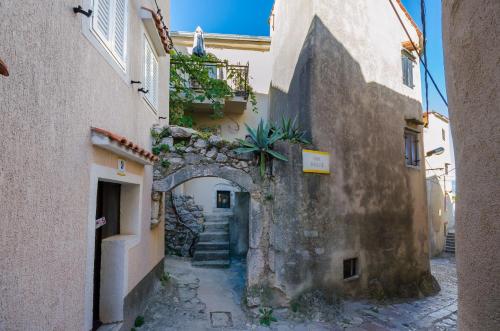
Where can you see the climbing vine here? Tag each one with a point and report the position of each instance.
(192, 80)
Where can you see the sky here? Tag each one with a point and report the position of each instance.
(249, 17)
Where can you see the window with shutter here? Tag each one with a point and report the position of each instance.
(407, 64)
(150, 75)
(120, 28)
(109, 23)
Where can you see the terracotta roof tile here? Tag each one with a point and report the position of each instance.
(412, 21)
(129, 144)
(162, 30)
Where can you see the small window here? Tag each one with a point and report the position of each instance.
(224, 199)
(350, 268)
(109, 23)
(443, 134)
(407, 61)
(411, 149)
(150, 75)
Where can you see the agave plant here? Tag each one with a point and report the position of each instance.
(292, 132)
(261, 143)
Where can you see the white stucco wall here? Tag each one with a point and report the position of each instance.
(435, 169)
(60, 85)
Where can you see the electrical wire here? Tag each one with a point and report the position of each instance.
(424, 64)
(424, 32)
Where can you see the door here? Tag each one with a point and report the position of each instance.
(108, 206)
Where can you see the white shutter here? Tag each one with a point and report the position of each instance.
(155, 81)
(120, 31)
(150, 75)
(101, 20)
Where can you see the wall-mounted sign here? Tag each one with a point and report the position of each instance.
(315, 162)
(100, 222)
(121, 167)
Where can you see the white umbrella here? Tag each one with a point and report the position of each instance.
(199, 43)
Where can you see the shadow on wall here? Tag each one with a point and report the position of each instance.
(440, 215)
(372, 206)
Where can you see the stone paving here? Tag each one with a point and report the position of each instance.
(211, 299)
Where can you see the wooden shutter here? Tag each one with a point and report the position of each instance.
(120, 28)
(101, 20)
(150, 74)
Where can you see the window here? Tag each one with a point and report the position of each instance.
(150, 75)
(443, 134)
(109, 23)
(407, 61)
(224, 199)
(411, 149)
(350, 268)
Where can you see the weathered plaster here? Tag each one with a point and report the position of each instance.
(342, 77)
(470, 39)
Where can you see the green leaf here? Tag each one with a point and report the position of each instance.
(243, 150)
(277, 155)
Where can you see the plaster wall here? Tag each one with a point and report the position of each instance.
(342, 77)
(472, 81)
(60, 85)
(204, 191)
(440, 185)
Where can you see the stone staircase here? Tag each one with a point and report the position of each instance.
(212, 249)
(450, 243)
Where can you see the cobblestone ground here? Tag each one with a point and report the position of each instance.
(210, 299)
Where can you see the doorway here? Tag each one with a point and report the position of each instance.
(107, 225)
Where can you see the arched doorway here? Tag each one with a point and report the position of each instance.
(249, 183)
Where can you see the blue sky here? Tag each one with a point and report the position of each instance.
(250, 17)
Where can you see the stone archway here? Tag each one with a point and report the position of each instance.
(185, 155)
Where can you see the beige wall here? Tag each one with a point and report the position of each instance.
(59, 86)
(470, 35)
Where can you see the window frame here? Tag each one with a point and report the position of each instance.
(353, 264)
(407, 67)
(109, 45)
(146, 97)
(217, 199)
(414, 151)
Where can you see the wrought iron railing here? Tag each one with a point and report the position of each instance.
(236, 76)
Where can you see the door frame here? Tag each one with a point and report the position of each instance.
(116, 248)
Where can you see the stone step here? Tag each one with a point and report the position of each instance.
(212, 264)
(214, 226)
(212, 245)
(214, 236)
(216, 218)
(211, 255)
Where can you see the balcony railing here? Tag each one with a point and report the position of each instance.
(236, 76)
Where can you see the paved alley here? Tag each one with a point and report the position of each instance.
(210, 299)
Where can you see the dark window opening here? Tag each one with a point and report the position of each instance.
(443, 134)
(350, 268)
(411, 149)
(224, 199)
(407, 62)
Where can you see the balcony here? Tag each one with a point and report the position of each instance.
(235, 75)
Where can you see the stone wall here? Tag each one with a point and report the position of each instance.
(183, 224)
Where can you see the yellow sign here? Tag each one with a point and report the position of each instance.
(121, 167)
(315, 162)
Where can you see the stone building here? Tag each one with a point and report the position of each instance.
(346, 69)
(440, 178)
(77, 247)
